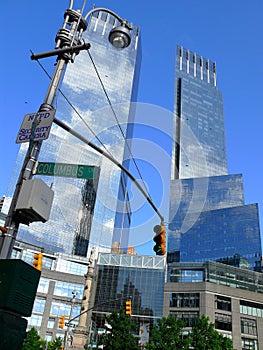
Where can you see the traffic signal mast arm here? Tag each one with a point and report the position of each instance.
(107, 155)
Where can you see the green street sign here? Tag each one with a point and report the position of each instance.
(66, 170)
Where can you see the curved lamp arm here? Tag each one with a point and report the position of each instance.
(97, 9)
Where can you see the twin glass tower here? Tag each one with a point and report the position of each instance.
(208, 219)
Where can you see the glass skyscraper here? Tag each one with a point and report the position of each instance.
(87, 213)
(208, 218)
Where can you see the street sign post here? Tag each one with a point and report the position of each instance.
(66, 170)
(41, 129)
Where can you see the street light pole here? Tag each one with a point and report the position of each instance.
(68, 45)
(74, 293)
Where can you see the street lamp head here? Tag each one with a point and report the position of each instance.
(120, 36)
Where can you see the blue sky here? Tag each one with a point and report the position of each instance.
(227, 32)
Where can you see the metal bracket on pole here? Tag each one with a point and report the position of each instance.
(71, 50)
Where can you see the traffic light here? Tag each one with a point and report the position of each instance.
(37, 263)
(128, 307)
(160, 240)
(61, 322)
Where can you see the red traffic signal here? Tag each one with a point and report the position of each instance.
(37, 263)
(160, 240)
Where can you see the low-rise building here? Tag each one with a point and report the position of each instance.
(231, 297)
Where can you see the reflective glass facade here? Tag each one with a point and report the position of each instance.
(83, 212)
(208, 219)
(223, 233)
(198, 114)
(130, 277)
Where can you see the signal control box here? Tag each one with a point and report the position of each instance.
(34, 202)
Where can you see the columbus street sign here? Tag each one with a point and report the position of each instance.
(66, 170)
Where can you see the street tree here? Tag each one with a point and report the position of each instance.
(204, 337)
(167, 334)
(119, 331)
(55, 344)
(33, 341)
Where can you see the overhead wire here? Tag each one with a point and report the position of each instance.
(74, 108)
(113, 111)
(116, 118)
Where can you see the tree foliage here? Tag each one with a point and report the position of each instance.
(33, 341)
(205, 337)
(55, 344)
(119, 333)
(168, 335)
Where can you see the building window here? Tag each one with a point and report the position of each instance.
(251, 309)
(65, 289)
(63, 309)
(249, 344)
(39, 305)
(248, 326)
(48, 337)
(222, 303)
(184, 300)
(47, 262)
(189, 318)
(43, 285)
(71, 267)
(51, 323)
(35, 321)
(223, 322)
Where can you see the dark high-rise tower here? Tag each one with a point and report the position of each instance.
(208, 219)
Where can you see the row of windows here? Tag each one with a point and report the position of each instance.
(192, 300)
(64, 289)
(252, 309)
(184, 300)
(189, 318)
(222, 321)
(57, 308)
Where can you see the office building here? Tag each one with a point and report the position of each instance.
(231, 297)
(122, 277)
(208, 218)
(59, 293)
(87, 213)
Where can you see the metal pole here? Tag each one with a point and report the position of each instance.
(64, 38)
(70, 316)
